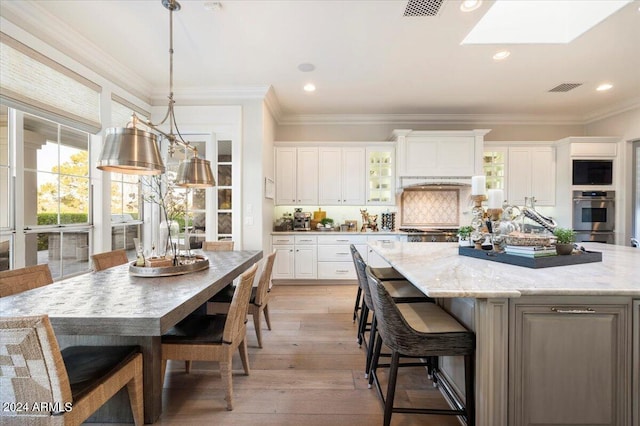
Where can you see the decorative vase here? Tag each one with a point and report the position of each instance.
(163, 240)
(465, 242)
(564, 249)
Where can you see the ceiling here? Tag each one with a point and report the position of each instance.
(369, 59)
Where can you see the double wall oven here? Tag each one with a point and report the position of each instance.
(594, 215)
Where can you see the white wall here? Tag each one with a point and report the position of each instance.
(268, 160)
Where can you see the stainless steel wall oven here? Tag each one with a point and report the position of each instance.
(594, 215)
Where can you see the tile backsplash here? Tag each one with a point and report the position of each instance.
(430, 207)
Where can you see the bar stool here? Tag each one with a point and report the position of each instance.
(419, 330)
(386, 274)
(403, 292)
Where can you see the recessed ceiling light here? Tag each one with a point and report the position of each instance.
(469, 5)
(306, 67)
(309, 87)
(501, 55)
(535, 21)
(604, 87)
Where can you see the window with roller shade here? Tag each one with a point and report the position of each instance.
(34, 83)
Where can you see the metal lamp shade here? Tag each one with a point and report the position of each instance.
(195, 173)
(131, 151)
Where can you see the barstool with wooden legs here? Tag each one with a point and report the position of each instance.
(419, 330)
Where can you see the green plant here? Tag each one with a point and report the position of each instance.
(564, 235)
(326, 220)
(465, 231)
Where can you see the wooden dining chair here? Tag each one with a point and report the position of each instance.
(258, 303)
(62, 388)
(214, 337)
(217, 245)
(109, 259)
(23, 279)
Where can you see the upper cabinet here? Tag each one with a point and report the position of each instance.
(380, 175)
(439, 153)
(522, 170)
(335, 174)
(296, 175)
(341, 176)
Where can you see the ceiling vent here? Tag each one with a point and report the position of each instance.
(565, 87)
(423, 7)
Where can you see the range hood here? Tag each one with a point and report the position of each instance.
(431, 181)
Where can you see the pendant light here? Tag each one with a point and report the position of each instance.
(133, 151)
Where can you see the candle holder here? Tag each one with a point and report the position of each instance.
(477, 220)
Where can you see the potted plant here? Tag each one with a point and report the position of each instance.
(564, 240)
(464, 236)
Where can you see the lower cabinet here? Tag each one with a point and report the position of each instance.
(323, 257)
(334, 256)
(570, 362)
(296, 257)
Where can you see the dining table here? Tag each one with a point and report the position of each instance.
(117, 307)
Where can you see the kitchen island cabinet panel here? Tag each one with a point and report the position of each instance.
(571, 362)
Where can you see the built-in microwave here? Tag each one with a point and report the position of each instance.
(592, 172)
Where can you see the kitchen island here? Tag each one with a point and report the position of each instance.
(555, 346)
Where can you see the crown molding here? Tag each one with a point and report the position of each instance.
(40, 24)
(273, 103)
(203, 94)
(398, 119)
(612, 110)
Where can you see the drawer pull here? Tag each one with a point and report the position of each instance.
(346, 241)
(342, 271)
(282, 241)
(305, 241)
(345, 254)
(574, 311)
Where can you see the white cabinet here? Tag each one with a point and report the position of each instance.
(374, 259)
(306, 255)
(522, 170)
(296, 257)
(341, 175)
(380, 175)
(439, 153)
(532, 173)
(334, 256)
(296, 175)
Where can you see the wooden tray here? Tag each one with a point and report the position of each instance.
(532, 262)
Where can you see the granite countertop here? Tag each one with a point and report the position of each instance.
(438, 271)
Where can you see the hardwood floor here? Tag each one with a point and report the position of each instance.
(309, 372)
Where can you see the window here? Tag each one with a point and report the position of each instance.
(56, 200)
(225, 190)
(6, 199)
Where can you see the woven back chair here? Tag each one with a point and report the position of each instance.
(109, 259)
(67, 386)
(214, 337)
(217, 245)
(419, 330)
(23, 279)
(260, 297)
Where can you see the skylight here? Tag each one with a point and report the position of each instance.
(540, 21)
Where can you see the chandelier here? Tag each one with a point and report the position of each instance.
(132, 150)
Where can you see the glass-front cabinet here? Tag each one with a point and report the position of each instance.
(495, 167)
(380, 175)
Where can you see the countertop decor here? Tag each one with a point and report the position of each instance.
(532, 262)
